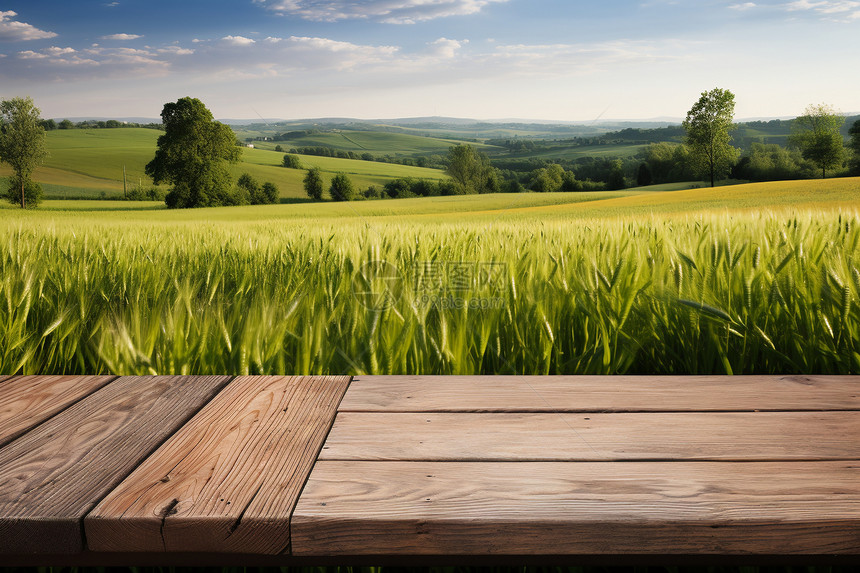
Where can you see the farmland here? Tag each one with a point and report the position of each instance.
(89, 163)
(747, 279)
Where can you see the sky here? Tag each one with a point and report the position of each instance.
(566, 60)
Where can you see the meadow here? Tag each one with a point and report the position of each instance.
(748, 279)
(88, 163)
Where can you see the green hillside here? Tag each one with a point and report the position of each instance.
(89, 163)
(373, 142)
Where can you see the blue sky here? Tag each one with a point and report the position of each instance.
(486, 59)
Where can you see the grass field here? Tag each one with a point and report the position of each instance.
(374, 142)
(749, 279)
(89, 162)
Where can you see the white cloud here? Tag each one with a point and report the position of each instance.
(12, 31)
(122, 37)
(446, 48)
(238, 40)
(176, 50)
(743, 7)
(839, 10)
(387, 11)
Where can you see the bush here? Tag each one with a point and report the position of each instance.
(32, 192)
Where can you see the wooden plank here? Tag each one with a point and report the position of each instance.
(27, 401)
(600, 393)
(53, 475)
(425, 508)
(597, 437)
(229, 480)
(4, 378)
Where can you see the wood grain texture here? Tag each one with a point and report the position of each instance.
(600, 393)
(3, 378)
(54, 474)
(27, 401)
(421, 508)
(747, 436)
(228, 481)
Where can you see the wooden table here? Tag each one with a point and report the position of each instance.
(299, 470)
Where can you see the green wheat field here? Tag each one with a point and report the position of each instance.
(753, 279)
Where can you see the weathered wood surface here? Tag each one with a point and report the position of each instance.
(600, 393)
(53, 475)
(228, 481)
(4, 378)
(27, 401)
(420, 508)
(748, 436)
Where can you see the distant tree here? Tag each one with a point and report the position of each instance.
(616, 179)
(817, 134)
(248, 190)
(341, 188)
(66, 124)
(570, 183)
(49, 124)
(643, 175)
(279, 149)
(270, 193)
(373, 192)
(292, 161)
(707, 125)
(547, 179)
(854, 132)
(314, 184)
(772, 162)
(22, 146)
(251, 192)
(400, 188)
(193, 155)
(470, 169)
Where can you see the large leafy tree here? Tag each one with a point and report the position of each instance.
(817, 134)
(471, 171)
(708, 124)
(193, 155)
(22, 146)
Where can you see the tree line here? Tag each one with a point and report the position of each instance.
(51, 125)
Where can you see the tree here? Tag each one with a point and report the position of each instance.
(470, 169)
(22, 144)
(66, 124)
(193, 155)
(314, 184)
(708, 124)
(854, 132)
(643, 176)
(817, 134)
(341, 188)
(251, 192)
(270, 193)
(292, 161)
(548, 179)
